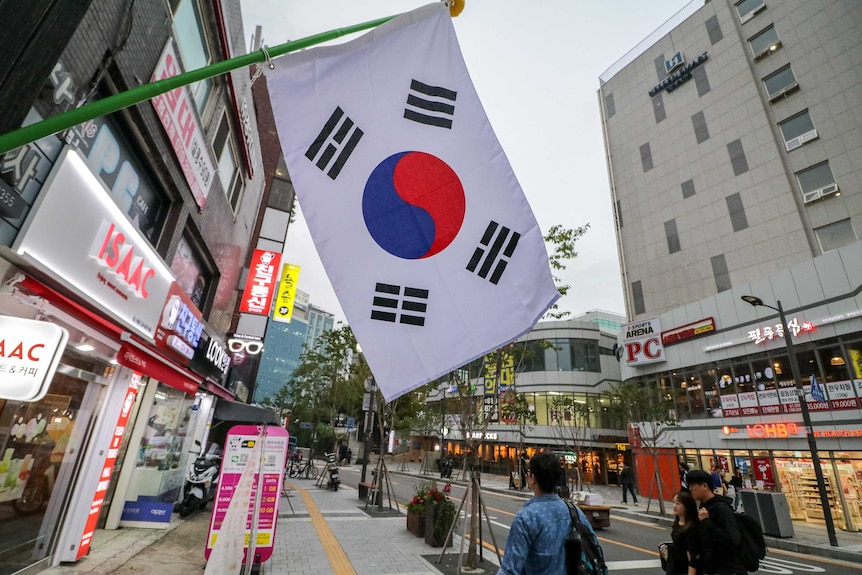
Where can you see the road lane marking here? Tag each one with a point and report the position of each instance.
(627, 546)
(636, 564)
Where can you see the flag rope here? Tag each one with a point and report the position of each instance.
(116, 102)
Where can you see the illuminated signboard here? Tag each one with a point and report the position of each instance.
(688, 331)
(261, 282)
(642, 342)
(769, 332)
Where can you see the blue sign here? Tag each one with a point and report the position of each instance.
(149, 511)
(817, 391)
(351, 423)
(305, 425)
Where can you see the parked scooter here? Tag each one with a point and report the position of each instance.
(202, 481)
(332, 469)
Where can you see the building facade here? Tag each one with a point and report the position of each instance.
(123, 242)
(733, 139)
(562, 368)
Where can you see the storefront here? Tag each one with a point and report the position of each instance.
(117, 419)
(724, 367)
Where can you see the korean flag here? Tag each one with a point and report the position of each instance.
(422, 227)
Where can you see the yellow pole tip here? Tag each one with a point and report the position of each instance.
(455, 7)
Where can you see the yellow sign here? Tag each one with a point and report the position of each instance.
(507, 375)
(283, 308)
(855, 362)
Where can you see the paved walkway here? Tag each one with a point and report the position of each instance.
(329, 533)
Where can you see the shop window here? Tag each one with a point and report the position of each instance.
(763, 373)
(797, 130)
(680, 396)
(696, 401)
(764, 43)
(194, 50)
(711, 398)
(543, 409)
(780, 83)
(833, 363)
(192, 276)
(836, 235)
(854, 358)
(743, 378)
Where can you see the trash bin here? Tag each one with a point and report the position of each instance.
(749, 504)
(774, 514)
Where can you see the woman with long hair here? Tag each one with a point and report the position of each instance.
(683, 557)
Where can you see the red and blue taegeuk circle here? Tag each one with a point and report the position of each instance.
(413, 205)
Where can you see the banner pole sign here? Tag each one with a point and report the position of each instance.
(241, 485)
(283, 309)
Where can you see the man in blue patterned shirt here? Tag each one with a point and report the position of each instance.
(535, 544)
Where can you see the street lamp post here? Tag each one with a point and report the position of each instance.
(806, 416)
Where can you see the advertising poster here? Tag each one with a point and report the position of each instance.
(762, 469)
(240, 453)
(730, 405)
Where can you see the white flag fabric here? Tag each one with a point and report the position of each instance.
(421, 225)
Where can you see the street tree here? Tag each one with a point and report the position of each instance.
(570, 422)
(650, 417)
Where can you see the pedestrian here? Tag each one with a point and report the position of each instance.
(684, 555)
(736, 482)
(717, 481)
(523, 463)
(537, 534)
(683, 469)
(720, 536)
(627, 480)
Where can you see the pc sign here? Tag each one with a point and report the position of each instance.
(642, 342)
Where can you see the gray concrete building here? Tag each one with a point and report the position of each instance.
(734, 137)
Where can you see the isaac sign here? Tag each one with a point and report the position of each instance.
(29, 353)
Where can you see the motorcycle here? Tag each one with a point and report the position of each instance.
(332, 469)
(202, 481)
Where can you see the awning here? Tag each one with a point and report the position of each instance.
(137, 357)
(245, 413)
(216, 389)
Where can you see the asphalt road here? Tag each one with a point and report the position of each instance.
(629, 545)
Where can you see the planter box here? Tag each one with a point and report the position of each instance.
(430, 517)
(416, 524)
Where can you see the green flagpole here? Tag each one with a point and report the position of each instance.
(111, 104)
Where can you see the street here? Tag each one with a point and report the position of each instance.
(629, 544)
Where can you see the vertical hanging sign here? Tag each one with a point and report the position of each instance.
(260, 285)
(283, 309)
(108, 467)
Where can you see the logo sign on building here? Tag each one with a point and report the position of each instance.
(30, 351)
(260, 285)
(180, 327)
(673, 63)
(98, 252)
(283, 308)
(688, 331)
(108, 467)
(681, 76)
(178, 115)
(642, 342)
(212, 357)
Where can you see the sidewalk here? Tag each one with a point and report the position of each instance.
(808, 538)
(329, 533)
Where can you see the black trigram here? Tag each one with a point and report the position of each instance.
(488, 253)
(335, 130)
(390, 300)
(437, 112)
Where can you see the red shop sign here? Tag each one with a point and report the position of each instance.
(152, 366)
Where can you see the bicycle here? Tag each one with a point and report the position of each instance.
(307, 469)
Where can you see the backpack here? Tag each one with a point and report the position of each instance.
(584, 555)
(752, 547)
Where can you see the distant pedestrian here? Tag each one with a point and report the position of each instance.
(627, 480)
(683, 469)
(523, 462)
(717, 482)
(736, 483)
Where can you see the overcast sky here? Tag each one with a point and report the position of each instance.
(535, 66)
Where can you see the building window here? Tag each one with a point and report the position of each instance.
(720, 273)
(638, 297)
(610, 109)
(646, 157)
(780, 83)
(701, 81)
(190, 272)
(748, 8)
(737, 157)
(687, 189)
(714, 30)
(194, 50)
(737, 212)
(659, 67)
(228, 167)
(672, 236)
(764, 43)
(658, 108)
(797, 130)
(619, 214)
(816, 182)
(834, 236)
(701, 131)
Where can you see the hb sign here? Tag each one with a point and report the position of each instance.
(642, 342)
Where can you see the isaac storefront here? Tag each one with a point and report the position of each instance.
(132, 362)
(724, 364)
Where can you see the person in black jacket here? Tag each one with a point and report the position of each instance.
(719, 534)
(683, 556)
